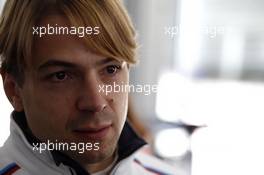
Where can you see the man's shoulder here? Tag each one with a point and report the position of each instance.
(3, 156)
(7, 164)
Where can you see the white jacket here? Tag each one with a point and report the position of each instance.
(18, 158)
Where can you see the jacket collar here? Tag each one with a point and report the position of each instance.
(129, 142)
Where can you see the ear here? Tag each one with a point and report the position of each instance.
(12, 91)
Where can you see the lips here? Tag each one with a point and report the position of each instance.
(98, 132)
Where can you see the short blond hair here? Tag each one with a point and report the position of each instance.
(116, 38)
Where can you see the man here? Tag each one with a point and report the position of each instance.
(58, 57)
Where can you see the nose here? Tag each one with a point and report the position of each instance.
(90, 99)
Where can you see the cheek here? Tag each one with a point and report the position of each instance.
(56, 108)
(119, 106)
(121, 98)
(47, 113)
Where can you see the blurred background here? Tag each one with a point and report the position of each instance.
(207, 58)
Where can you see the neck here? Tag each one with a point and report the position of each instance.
(96, 167)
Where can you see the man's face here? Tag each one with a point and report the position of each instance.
(61, 96)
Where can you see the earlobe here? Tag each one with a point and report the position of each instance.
(2, 74)
(11, 89)
(17, 104)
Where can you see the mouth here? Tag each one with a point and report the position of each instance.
(94, 133)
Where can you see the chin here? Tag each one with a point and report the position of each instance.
(90, 157)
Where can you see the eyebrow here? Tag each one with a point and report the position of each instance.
(105, 61)
(55, 62)
(60, 63)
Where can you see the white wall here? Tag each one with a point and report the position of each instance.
(5, 110)
(156, 49)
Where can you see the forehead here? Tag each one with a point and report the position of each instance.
(65, 47)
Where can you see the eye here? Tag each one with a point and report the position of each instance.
(112, 69)
(59, 76)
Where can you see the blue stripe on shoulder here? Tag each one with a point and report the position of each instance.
(7, 168)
